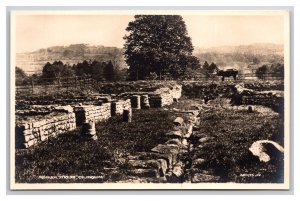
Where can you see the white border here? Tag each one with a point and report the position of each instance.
(286, 183)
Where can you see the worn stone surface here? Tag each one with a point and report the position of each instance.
(30, 133)
(204, 178)
(166, 149)
(174, 141)
(178, 121)
(205, 139)
(144, 172)
(198, 162)
(174, 134)
(144, 164)
(261, 149)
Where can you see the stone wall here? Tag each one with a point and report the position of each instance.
(31, 132)
(269, 100)
(117, 107)
(166, 161)
(165, 96)
(87, 113)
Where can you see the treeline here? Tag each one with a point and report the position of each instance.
(225, 59)
(273, 70)
(57, 71)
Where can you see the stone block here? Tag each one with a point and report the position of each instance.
(204, 178)
(144, 173)
(178, 121)
(166, 149)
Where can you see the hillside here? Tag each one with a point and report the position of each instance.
(246, 58)
(243, 57)
(33, 62)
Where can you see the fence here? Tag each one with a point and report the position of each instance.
(44, 84)
(241, 77)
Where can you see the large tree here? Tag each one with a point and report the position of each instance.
(157, 43)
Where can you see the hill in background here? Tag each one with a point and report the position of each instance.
(33, 62)
(246, 58)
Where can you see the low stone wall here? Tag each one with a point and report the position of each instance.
(176, 91)
(272, 101)
(31, 132)
(165, 96)
(160, 100)
(92, 99)
(117, 107)
(92, 112)
(166, 161)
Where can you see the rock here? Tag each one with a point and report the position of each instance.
(174, 141)
(198, 162)
(166, 149)
(205, 139)
(163, 165)
(266, 150)
(168, 157)
(175, 134)
(144, 173)
(200, 177)
(175, 110)
(147, 164)
(179, 121)
(184, 142)
(178, 169)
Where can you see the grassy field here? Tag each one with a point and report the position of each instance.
(233, 131)
(104, 158)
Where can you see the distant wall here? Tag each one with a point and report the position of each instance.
(165, 96)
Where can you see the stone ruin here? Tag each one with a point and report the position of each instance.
(31, 132)
(48, 121)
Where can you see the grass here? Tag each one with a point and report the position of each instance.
(104, 158)
(234, 132)
(227, 155)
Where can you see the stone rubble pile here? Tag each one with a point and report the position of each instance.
(175, 160)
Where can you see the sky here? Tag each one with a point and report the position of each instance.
(33, 32)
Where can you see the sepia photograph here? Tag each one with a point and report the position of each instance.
(150, 99)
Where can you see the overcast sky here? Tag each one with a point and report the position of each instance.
(40, 31)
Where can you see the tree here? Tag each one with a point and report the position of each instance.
(261, 71)
(212, 68)
(56, 71)
(206, 69)
(278, 69)
(21, 76)
(157, 43)
(109, 72)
